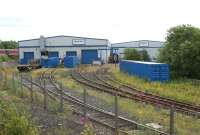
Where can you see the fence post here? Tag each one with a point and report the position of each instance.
(1, 76)
(31, 90)
(116, 114)
(45, 95)
(5, 83)
(172, 120)
(21, 85)
(84, 102)
(13, 82)
(61, 97)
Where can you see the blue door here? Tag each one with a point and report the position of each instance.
(28, 56)
(71, 53)
(53, 54)
(88, 56)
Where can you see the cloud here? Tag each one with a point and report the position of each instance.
(117, 20)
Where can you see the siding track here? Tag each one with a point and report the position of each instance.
(95, 114)
(102, 82)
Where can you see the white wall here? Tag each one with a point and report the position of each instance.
(35, 50)
(152, 48)
(138, 44)
(67, 41)
(34, 42)
(64, 41)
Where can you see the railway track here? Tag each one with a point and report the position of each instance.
(131, 88)
(97, 80)
(95, 114)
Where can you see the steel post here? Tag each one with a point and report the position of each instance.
(116, 114)
(45, 95)
(61, 98)
(84, 100)
(172, 120)
(31, 90)
(21, 85)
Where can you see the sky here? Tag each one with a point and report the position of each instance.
(116, 20)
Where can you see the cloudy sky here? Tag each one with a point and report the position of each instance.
(116, 20)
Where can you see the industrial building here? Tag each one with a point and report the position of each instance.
(86, 49)
(152, 47)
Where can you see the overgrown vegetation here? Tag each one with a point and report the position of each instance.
(133, 54)
(182, 51)
(5, 58)
(18, 116)
(144, 113)
(88, 129)
(182, 89)
(15, 122)
(14, 118)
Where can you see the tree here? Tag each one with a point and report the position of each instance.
(182, 51)
(131, 54)
(8, 44)
(144, 55)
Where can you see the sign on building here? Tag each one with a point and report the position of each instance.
(78, 42)
(143, 44)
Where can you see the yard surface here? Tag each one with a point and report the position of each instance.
(143, 113)
(183, 90)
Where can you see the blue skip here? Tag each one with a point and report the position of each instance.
(148, 70)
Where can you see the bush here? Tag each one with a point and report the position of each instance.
(133, 54)
(4, 58)
(182, 51)
(14, 122)
(88, 129)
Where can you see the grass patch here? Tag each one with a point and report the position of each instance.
(143, 113)
(14, 116)
(5, 58)
(185, 90)
(18, 118)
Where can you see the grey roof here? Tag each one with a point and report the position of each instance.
(62, 36)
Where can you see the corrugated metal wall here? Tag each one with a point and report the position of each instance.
(152, 47)
(147, 70)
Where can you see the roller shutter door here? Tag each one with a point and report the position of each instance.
(71, 53)
(53, 54)
(28, 56)
(88, 56)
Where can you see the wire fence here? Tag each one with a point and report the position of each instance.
(16, 81)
